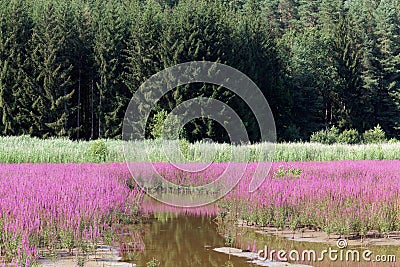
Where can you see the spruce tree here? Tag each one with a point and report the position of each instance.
(15, 80)
(110, 35)
(387, 95)
(52, 67)
(83, 70)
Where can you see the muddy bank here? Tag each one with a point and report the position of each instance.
(309, 235)
(105, 256)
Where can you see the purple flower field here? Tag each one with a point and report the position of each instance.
(342, 197)
(52, 206)
(49, 206)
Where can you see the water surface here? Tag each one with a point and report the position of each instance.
(183, 241)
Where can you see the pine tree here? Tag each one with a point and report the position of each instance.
(15, 80)
(110, 33)
(288, 11)
(83, 70)
(270, 14)
(70, 68)
(308, 13)
(349, 92)
(143, 55)
(197, 31)
(311, 76)
(330, 12)
(387, 95)
(255, 54)
(52, 67)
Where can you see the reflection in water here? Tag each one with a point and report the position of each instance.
(185, 237)
(187, 240)
(182, 241)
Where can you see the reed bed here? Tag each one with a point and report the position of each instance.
(24, 149)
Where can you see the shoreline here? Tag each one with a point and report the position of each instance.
(105, 256)
(373, 238)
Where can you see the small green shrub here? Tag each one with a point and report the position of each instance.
(80, 262)
(393, 141)
(156, 128)
(153, 263)
(229, 239)
(349, 137)
(98, 150)
(326, 136)
(184, 147)
(281, 172)
(164, 126)
(376, 135)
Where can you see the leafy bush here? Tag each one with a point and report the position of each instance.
(376, 135)
(281, 172)
(349, 137)
(326, 136)
(184, 147)
(153, 263)
(229, 239)
(98, 150)
(156, 129)
(164, 126)
(81, 262)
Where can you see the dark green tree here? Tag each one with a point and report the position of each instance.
(312, 80)
(15, 72)
(51, 69)
(83, 76)
(110, 32)
(308, 11)
(256, 55)
(386, 98)
(348, 107)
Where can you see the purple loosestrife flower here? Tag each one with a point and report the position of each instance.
(45, 200)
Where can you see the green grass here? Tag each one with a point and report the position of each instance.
(26, 149)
